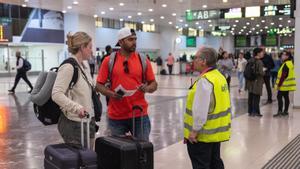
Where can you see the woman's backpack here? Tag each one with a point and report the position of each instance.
(45, 109)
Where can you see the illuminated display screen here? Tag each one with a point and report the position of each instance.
(233, 13)
(273, 10)
(240, 41)
(5, 33)
(270, 40)
(253, 11)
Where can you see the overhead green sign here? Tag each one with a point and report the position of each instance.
(191, 41)
(202, 15)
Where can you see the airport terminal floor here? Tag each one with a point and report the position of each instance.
(254, 140)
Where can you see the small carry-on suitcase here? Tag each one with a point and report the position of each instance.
(124, 152)
(65, 156)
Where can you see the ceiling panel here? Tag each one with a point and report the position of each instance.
(132, 7)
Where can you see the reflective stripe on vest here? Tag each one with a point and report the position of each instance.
(289, 84)
(218, 125)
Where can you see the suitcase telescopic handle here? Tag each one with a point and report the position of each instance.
(87, 118)
(139, 108)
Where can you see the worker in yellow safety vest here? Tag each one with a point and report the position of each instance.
(207, 120)
(285, 83)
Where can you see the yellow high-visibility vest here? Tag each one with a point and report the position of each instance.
(289, 84)
(218, 125)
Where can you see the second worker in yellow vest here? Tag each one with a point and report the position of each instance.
(285, 82)
(207, 121)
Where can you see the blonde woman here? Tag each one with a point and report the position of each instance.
(76, 101)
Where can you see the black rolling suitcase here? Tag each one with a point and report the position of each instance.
(124, 152)
(65, 156)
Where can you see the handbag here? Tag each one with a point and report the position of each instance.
(97, 105)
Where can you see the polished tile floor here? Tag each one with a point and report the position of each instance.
(254, 140)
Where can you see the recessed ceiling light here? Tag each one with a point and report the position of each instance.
(24, 5)
(129, 17)
(197, 23)
(188, 10)
(75, 2)
(111, 8)
(173, 14)
(143, 22)
(209, 21)
(170, 23)
(263, 21)
(236, 21)
(225, 1)
(266, 1)
(180, 20)
(257, 33)
(162, 17)
(253, 29)
(234, 25)
(247, 33)
(252, 19)
(164, 5)
(150, 10)
(204, 6)
(186, 25)
(176, 27)
(280, 26)
(121, 19)
(261, 30)
(242, 30)
(103, 12)
(272, 23)
(139, 13)
(95, 16)
(257, 25)
(240, 33)
(250, 31)
(199, 27)
(266, 27)
(69, 7)
(64, 11)
(245, 27)
(233, 29)
(210, 25)
(280, 19)
(151, 20)
(289, 21)
(247, 23)
(121, 4)
(26, 0)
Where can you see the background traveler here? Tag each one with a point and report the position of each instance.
(241, 64)
(274, 71)
(21, 73)
(225, 66)
(92, 64)
(159, 63)
(170, 62)
(268, 65)
(255, 87)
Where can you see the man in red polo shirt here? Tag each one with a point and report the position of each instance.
(127, 77)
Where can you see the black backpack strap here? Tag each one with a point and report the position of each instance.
(75, 65)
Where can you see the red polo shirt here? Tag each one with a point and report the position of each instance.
(122, 109)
